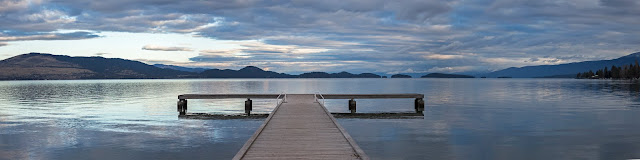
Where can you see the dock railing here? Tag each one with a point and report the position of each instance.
(248, 104)
(284, 98)
(418, 102)
(318, 95)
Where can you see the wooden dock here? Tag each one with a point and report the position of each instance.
(300, 128)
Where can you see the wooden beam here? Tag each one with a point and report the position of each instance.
(369, 96)
(228, 96)
(326, 96)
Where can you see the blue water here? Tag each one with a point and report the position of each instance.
(464, 118)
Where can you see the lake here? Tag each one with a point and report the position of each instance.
(464, 118)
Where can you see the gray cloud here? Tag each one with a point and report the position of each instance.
(215, 58)
(165, 48)
(26, 36)
(388, 36)
(151, 61)
(619, 3)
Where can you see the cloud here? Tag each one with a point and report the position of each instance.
(9, 6)
(27, 36)
(419, 10)
(164, 48)
(408, 70)
(456, 69)
(442, 57)
(386, 36)
(152, 61)
(619, 3)
(260, 47)
(211, 52)
(3, 44)
(259, 51)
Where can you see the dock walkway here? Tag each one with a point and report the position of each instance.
(300, 128)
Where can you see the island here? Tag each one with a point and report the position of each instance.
(400, 76)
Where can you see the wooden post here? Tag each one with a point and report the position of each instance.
(248, 107)
(182, 106)
(352, 106)
(419, 105)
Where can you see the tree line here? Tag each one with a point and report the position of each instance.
(631, 71)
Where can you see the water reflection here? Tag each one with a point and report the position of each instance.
(465, 118)
(512, 119)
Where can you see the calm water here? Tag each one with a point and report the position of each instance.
(465, 118)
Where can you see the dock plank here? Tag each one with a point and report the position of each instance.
(301, 128)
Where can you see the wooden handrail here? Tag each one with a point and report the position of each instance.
(326, 96)
(227, 96)
(371, 96)
(182, 99)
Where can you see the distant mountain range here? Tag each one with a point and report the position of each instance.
(246, 72)
(179, 68)
(39, 66)
(563, 70)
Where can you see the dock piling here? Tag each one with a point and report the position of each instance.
(248, 106)
(419, 105)
(182, 106)
(352, 106)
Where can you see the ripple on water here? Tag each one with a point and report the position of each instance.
(465, 119)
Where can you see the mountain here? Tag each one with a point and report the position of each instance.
(400, 76)
(337, 75)
(179, 68)
(246, 72)
(564, 69)
(48, 66)
(255, 72)
(442, 75)
(39, 66)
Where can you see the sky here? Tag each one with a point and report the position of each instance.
(295, 36)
